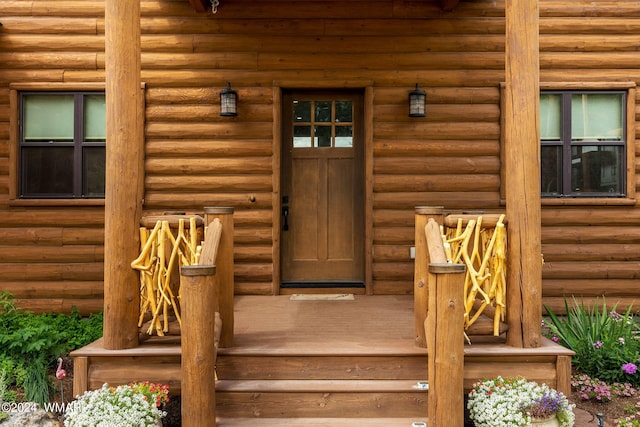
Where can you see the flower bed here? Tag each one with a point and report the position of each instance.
(132, 405)
(513, 402)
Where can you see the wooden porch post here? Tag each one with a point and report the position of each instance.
(522, 167)
(420, 280)
(445, 335)
(124, 172)
(197, 283)
(224, 271)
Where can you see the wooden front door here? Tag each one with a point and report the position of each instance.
(322, 189)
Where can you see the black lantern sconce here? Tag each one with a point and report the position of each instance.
(228, 101)
(417, 102)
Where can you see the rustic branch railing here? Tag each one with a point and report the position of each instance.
(478, 240)
(167, 241)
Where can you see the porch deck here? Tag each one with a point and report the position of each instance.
(329, 354)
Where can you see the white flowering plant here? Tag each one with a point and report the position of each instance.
(513, 401)
(132, 405)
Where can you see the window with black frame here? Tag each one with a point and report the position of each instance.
(62, 145)
(583, 143)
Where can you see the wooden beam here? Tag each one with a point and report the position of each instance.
(522, 166)
(124, 172)
(80, 375)
(200, 5)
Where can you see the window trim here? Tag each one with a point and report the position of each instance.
(630, 161)
(14, 142)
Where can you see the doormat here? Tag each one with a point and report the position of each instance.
(322, 297)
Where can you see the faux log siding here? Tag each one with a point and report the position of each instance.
(194, 158)
(52, 258)
(429, 162)
(4, 144)
(175, 102)
(590, 251)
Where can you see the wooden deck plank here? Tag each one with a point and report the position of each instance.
(367, 338)
(547, 347)
(316, 422)
(321, 386)
(149, 346)
(274, 325)
(366, 325)
(321, 367)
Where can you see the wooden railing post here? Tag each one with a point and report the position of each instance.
(445, 343)
(420, 287)
(224, 270)
(198, 403)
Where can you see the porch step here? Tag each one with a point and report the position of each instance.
(320, 386)
(318, 363)
(235, 364)
(320, 399)
(319, 422)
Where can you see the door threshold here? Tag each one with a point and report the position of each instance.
(321, 285)
(322, 297)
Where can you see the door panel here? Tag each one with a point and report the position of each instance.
(323, 188)
(340, 202)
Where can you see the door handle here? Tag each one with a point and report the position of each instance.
(285, 215)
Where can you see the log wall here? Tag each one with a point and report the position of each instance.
(51, 256)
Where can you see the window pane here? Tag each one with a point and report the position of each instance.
(550, 117)
(302, 136)
(301, 111)
(94, 118)
(344, 111)
(323, 136)
(596, 117)
(47, 117)
(344, 136)
(597, 169)
(93, 165)
(551, 169)
(323, 111)
(47, 171)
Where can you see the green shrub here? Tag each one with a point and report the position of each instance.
(604, 341)
(3, 391)
(15, 373)
(31, 343)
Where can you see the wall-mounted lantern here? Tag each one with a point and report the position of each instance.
(417, 102)
(228, 101)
